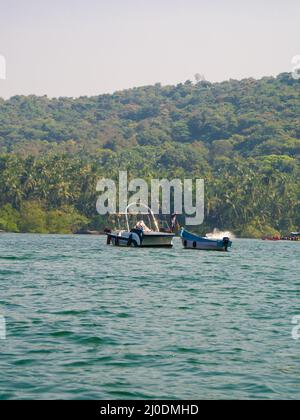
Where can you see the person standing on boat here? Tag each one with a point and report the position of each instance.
(174, 223)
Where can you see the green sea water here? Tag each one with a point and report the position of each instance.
(87, 321)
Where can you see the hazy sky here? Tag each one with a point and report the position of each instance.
(88, 47)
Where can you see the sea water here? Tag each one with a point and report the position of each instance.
(86, 321)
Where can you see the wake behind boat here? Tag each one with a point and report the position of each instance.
(192, 241)
(140, 235)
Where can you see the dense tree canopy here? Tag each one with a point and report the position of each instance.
(242, 137)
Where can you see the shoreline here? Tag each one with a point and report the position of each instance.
(103, 234)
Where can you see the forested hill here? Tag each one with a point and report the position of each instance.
(244, 118)
(242, 137)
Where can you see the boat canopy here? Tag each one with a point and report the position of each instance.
(140, 206)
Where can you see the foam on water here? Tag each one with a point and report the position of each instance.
(218, 234)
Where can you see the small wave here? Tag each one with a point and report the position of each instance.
(24, 362)
(96, 341)
(16, 258)
(9, 272)
(72, 312)
(59, 334)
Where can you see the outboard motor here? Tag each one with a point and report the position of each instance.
(226, 242)
(107, 232)
(139, 232)
(130, 240)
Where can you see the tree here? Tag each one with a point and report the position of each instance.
(32, 218)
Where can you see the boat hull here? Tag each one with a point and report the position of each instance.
(191, 241)
(140, 239)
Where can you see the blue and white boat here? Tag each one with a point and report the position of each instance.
(192, 241)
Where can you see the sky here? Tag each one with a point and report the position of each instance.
(89, 47)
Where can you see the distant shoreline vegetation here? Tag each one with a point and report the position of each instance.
(241, 137)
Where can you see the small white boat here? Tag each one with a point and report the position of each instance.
(140, 235)
(191, 241)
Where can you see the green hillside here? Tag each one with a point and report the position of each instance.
(242, 137)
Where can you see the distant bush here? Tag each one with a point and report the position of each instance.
(9, 219)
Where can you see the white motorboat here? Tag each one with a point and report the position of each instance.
(140, 235)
